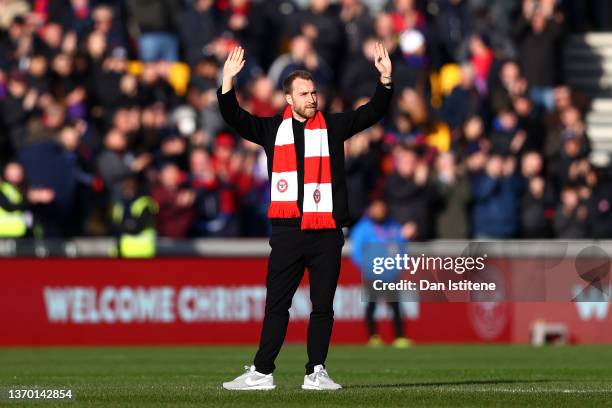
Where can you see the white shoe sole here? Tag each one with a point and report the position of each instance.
(315, 388)
(253, 388)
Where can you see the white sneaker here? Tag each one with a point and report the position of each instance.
(319, 380)
(251, 380)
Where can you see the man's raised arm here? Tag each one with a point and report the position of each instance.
(373, 111)
(248, 126)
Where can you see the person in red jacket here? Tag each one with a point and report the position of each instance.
(176, 212)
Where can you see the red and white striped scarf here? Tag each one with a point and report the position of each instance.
(317, 205)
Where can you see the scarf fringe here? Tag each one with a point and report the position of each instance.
(314, 220)
(283, 209)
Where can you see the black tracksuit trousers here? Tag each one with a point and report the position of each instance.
(292, 251)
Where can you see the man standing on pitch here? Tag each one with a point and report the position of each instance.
(309, 206)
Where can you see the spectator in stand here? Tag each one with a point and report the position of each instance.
(537, 198)
(95, 50)
(495, 191)
(133, 216)
(409, 118)
(531, 121)
(453, 25)
(157, 21)
(48, 40)
(197, 29)
(46, 126)
(481, 59)
(413, 47)
(571, 126)
(73, 15)
(410, 194)
(507, 85)
(105, 22)
(248, 22)
(599, 204)
(357, 78)
(506, 136)
(48, 168)
(264, 101)
(357, 23)
(15, 221)
(38, 75)
(572, 164)
(201, 96)
(565, 99)
(116, 161)
(203, 181)
(176, 211)
(413, 70)
(406, 16)
(65, 85)
(253, 189)
(16, 44)
(273, 26)
(454, 197)
(383, 29)
(570, 216)
(87, 184)
(154, 86)
(17, 107)
(463, 101)
(105, 83)
(537, 34)
(301, 55)
(18, 200)
(226, 163)
(321, 25)
(470, 138)
(534, 222)
(172, 149)
(362, 164)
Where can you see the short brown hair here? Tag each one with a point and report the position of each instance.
(288, 82)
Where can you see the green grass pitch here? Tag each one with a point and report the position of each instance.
(421, 376)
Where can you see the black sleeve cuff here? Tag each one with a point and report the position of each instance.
(387, 86)
(228, 94)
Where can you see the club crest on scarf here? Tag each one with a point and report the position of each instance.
(317, 205)
(282, 185)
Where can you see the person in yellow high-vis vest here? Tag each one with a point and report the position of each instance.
(13, 214)
(133, 216)
(18, 203)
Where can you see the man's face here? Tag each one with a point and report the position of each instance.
(13, 173)
(169, 176)
(303, 98)
(378, 211)
(405, 162)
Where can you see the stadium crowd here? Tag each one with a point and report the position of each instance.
(103, 102)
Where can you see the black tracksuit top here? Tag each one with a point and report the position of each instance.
(340, 127)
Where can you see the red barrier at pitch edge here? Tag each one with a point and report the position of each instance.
(221, 301)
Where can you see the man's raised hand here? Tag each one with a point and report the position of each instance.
(233, 65)
(382, 62)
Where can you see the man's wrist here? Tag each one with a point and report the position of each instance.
(227, 84)
(385, 79)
